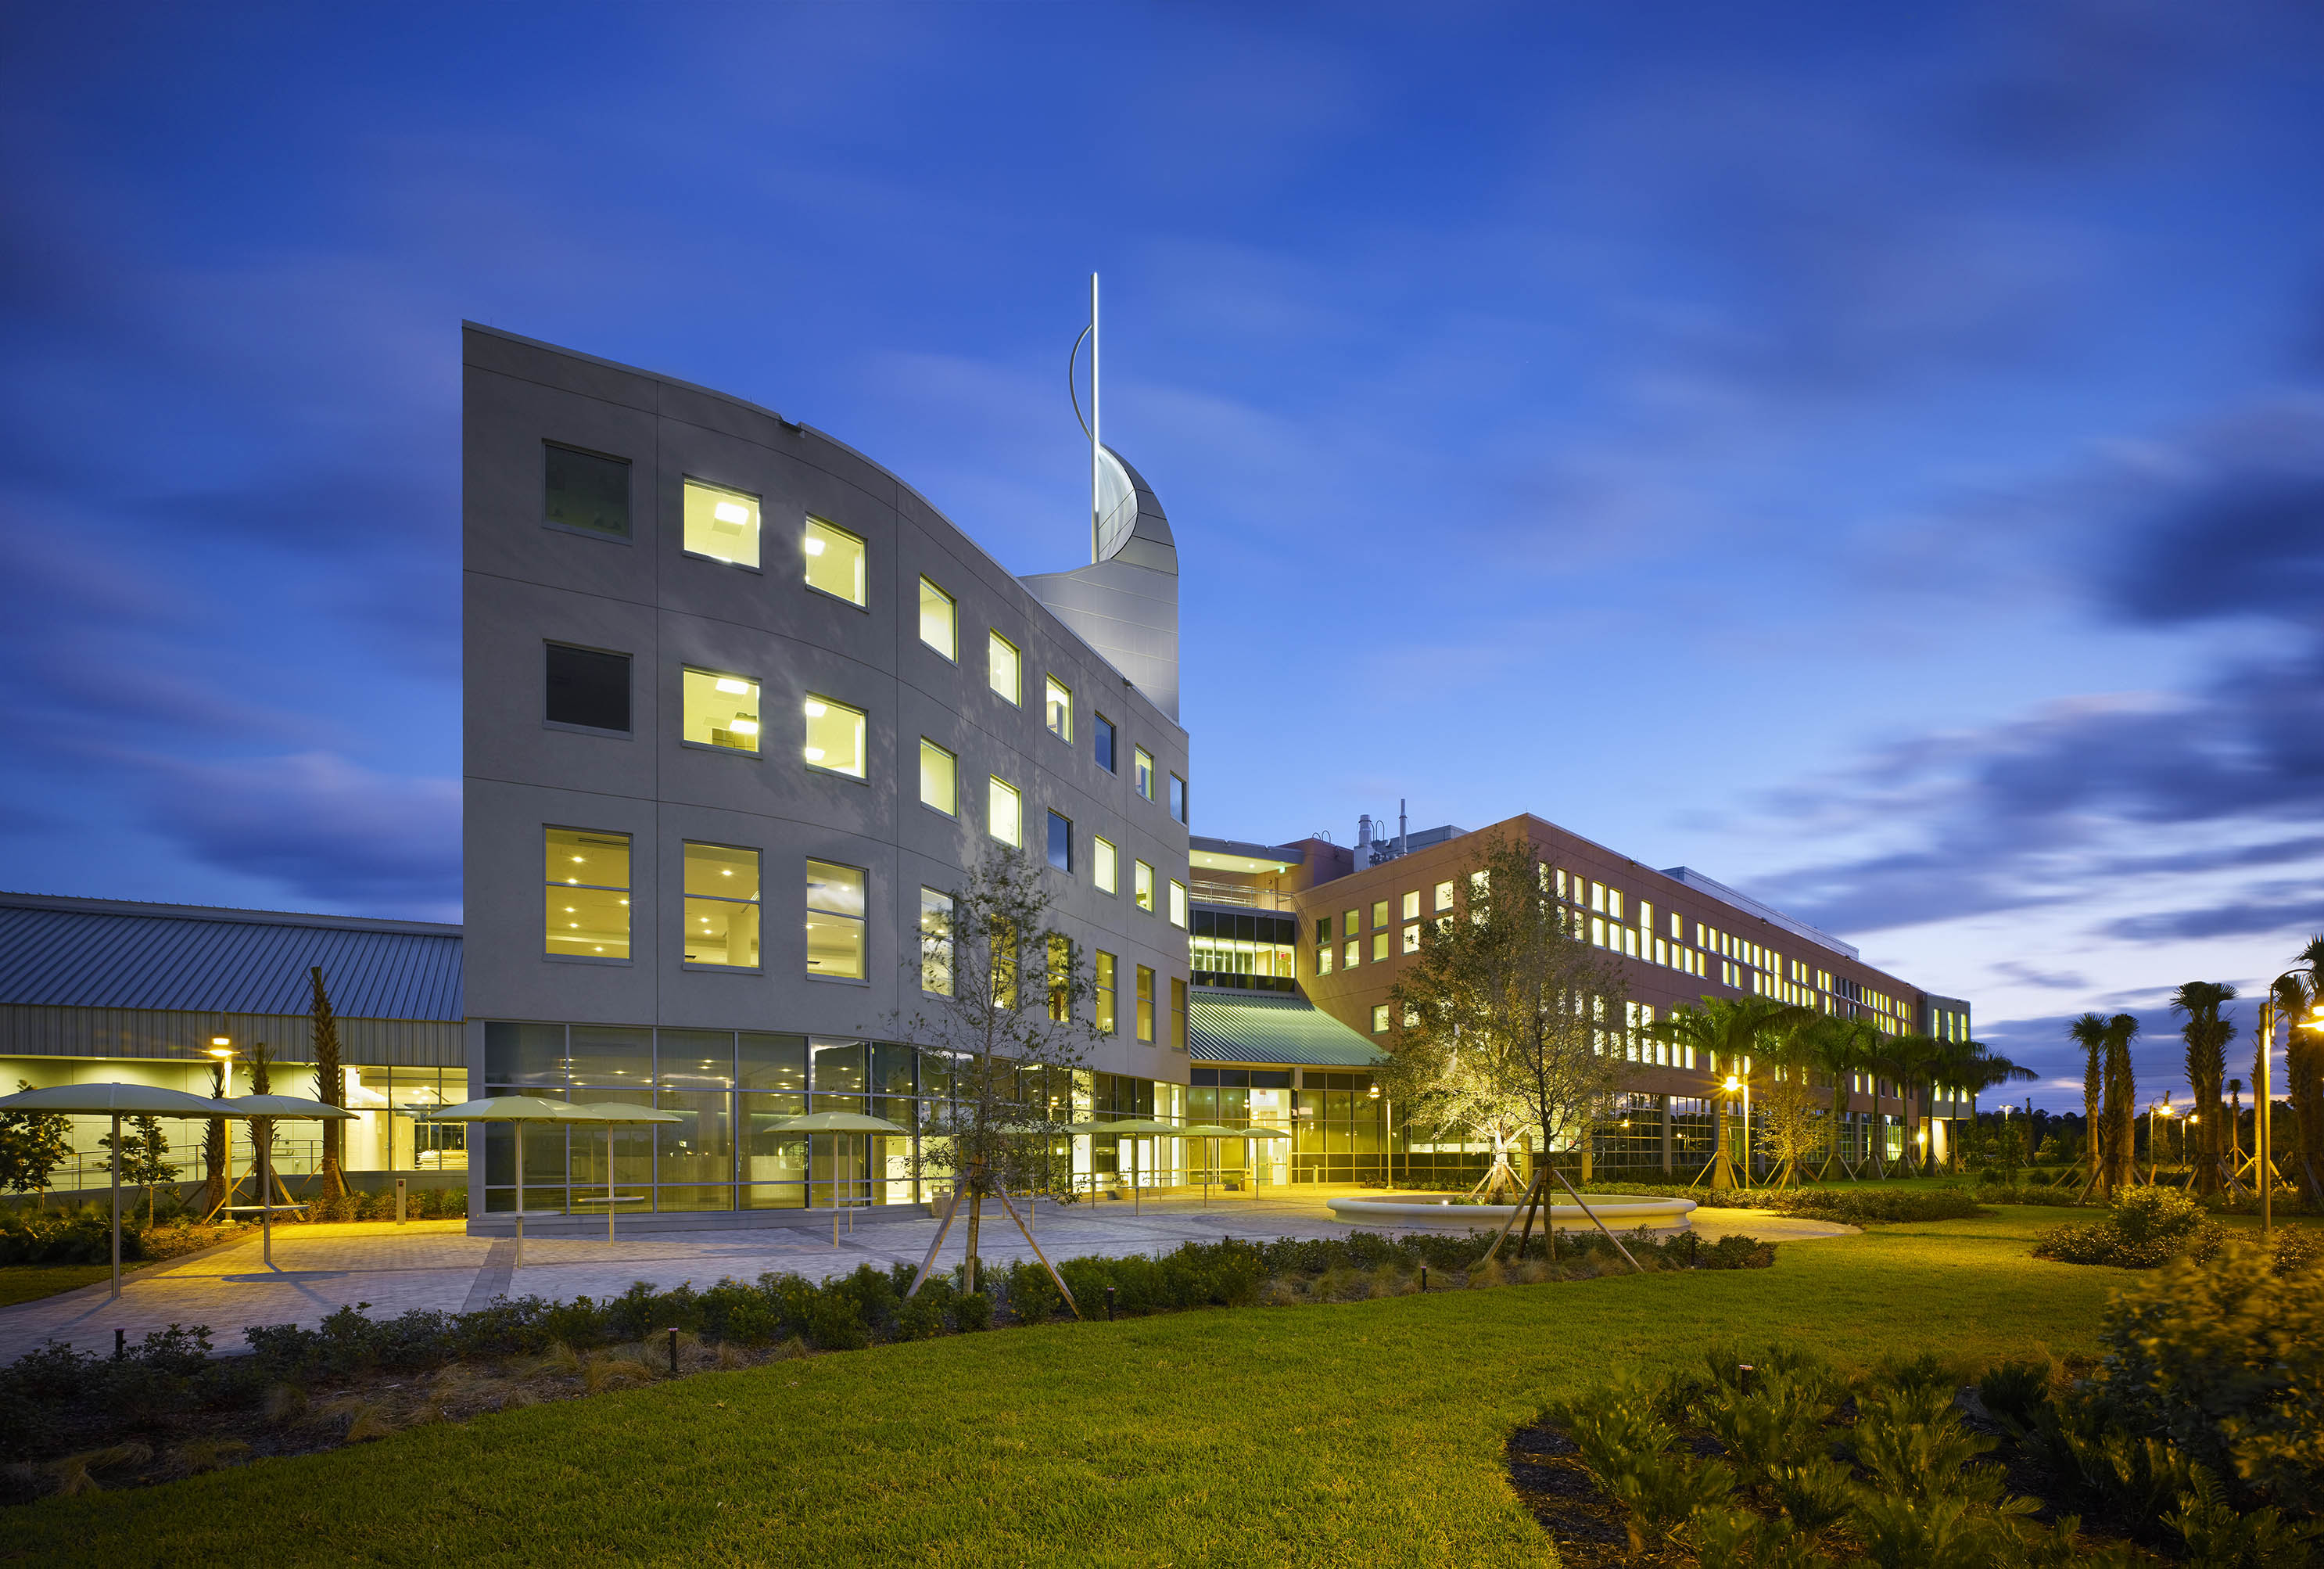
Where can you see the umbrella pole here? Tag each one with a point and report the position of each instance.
(116, 1203)
(520, 1196)
(609, 1185)
(265, 1197)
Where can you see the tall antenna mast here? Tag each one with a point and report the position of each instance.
(1095, 439)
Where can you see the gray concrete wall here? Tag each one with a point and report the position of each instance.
(526, 582)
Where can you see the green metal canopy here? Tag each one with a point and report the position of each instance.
(1263, 1028)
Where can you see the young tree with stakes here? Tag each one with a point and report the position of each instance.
(330, 1085)
(2205, 1034)
(1731, 1034)
(2295, 996)
(144, 1150)
(1010, 1044)
(1508, 1013)
(2089, 1032)
(2118, 1115)
(32, 1145)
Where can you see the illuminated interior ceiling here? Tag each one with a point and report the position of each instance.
(1217, 860)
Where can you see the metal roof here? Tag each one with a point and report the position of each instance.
(103, 953)
(1235, 1027)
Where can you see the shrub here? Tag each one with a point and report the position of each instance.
(1032, 1297)
(836, 1323)
(971, 1311)
(2145, 1227)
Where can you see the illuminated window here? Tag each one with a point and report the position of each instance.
(588, 689)
(1412, 905)
(1380, 1019)
(1380, 948)
(1106, 865)
(1107, 968)
(1178, 902)
(1145, 1003)
(1177, 799)
(722, 525)
(1350, 956)
(935, 942)
(1323, 959)
(720, 709)
(835, 561)
(1003, 669)
(834, 920)
(1101, 743)
(1142, 771)
(1379, 913)
(588, 491)
(1058, 709)
(1443, 896)
(940, 621)
(1350, 922)
(1141, 885)
(587, 906)
(939, 773)
(1061, 842)
(1412, 939)
(1177, 1013)
(722, 906)
(1004, 813)
(835, 737)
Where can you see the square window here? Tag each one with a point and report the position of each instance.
(722, 906)
(1443, 896)
(588, 491)
(1412, 939)
(835, 561)
(1412, 905)
(935, 942)
(1058, 706)
(1380, 948)
(587, 688)
(1108, 967)
(1142, 771)
(1004, 813)
(939, 771)
(1142, 885)
(1380, 1019)
(1061, 842)
(1177, 799)
(586, 909)
(834, 920)
(835, 736)
(1103, 747)
(1106, 865)
(1145, 1003)
(720, 709)
(940, 621)
(1003, 669)
(1177, 903)
(722, 525)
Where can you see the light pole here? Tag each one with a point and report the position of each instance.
(2262, 1140)
(1387, 1137)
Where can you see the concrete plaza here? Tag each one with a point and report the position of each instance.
(436, 1265)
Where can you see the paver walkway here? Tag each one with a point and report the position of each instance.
(436, 1265)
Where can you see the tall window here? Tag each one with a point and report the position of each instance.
(1142, 771)
(1412, 939)
(940, 621)
(1142, 885)
(587, 906)
(1061, 842)
(1107, 968)
(835, 736)
(1178, 902)
(935, 942)
(1004, 669)
(1145, 1003)
(1103, 744)
(1177, 798)
(1177, 1013)
(1380, 948)
(1061, 977)
(1380, 1019)
(1058, 706)
(1004, 813)
(1105, 865)
(834, 920)
(588, 689)
(722, 906)
(1443, 896)
(1412, 905)
(939, 778)
(720, 709)
(588, 491)
(835, 561)
(722, 525)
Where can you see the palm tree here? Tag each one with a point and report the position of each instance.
(2205, 1034)
(1911, 1060)
(2089, 1033)
(1976, 1068)
(2304, 1065)
(2117, 1165)
(1838, 1049)
(1733, 1029)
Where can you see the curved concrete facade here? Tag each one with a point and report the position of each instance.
(527, 583)
(1126, 604)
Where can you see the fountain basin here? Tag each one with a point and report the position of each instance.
(1621, 1212)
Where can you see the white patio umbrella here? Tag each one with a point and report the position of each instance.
(837, 1122)
(519, 1110)
(268, 1109)
(115, 1101)
(610, 1112)
(1138, 1128)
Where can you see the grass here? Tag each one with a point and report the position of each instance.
(30, 1282)
(1371, 1431)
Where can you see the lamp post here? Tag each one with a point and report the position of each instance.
(1732, 1085)
(2263, 1097)
(1387, 1143)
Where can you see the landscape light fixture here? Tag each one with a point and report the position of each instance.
(221, 1047)
(1733, 1083)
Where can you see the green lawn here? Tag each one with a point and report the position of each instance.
(27, 1282)
(1367, 1432)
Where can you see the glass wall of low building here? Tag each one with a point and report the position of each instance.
(1242, 949)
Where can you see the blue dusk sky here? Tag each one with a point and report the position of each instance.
(1874, 455)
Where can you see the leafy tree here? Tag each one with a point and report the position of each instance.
(2205, 1034)
(1791, 1126)
(1010, 1046)
(330, 1085)
(32, 1145)
(1508, 1023)
(1729, 1033)
(144, 1150)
